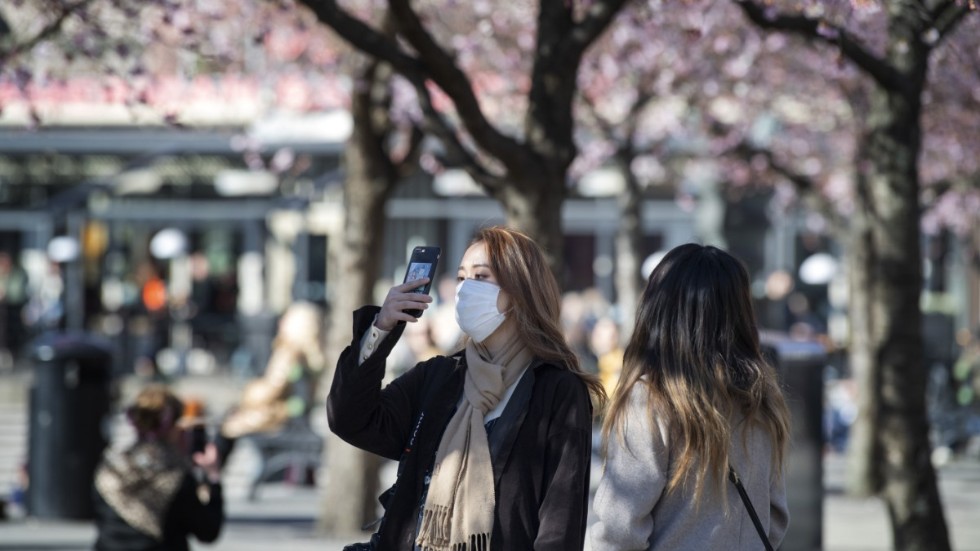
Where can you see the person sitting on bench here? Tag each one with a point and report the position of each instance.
(286, 389)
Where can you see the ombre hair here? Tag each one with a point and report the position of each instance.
(523, 273)
(695, 348)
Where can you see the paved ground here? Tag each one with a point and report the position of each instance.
(284, 515)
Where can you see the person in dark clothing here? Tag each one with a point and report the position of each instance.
(493, 442)
(146, 497)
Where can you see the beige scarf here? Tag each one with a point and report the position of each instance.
(458, 514)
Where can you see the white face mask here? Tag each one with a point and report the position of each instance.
(476, 308)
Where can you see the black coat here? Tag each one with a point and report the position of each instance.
(186, 516)
(540, 446)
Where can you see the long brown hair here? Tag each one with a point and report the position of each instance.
(523, 273)
(695, 348)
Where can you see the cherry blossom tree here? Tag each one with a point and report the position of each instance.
(799, 106)
(173, 52)
(624, 77)
(862, 107)
(524, 167)
(14, 44)
(159, 56)
(642, 86)
(891, 47)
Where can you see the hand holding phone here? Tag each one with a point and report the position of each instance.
(422, 265)
(199, 438)
(405, 302)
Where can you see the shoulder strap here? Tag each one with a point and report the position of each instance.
(748, 505)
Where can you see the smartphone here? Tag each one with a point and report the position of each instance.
(199, 438)
(421, 264)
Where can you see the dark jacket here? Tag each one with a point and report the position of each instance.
(183, 515)
(540, 446)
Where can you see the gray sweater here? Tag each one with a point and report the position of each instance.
(635, 513)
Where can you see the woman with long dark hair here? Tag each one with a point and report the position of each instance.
(695, 396)
(493, 442)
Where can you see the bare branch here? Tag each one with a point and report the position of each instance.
(374, 43)
(962, 182)
(367, 39)
(598, 17)
(632, 122)
(805, 186)
(436, 124)
(605, 126)
(442, 68)
(879, 69)
(49, 30)
(746, 150)
(946, 15)
(408, 163)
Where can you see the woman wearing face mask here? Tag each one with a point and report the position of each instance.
(493, 442)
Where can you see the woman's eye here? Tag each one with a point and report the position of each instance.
(459, 279)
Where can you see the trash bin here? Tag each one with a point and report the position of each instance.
(69, 403)
(800, 366)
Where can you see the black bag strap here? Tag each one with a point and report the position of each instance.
(733, 476)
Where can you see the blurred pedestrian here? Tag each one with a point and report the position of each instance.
(147, 497)
(966, 377)
(45, 308)
(442, 317)
(416, 345)
(155, 312)
(287, 388)
(966, 372)
(494, 442)
(696, 401)
(13, 296)
(604, 341)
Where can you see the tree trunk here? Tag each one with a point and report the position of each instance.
(863, 455)
(352, 480)
(909, 485)
(890, 268)
(533, 204)
(351, 490)
(629, 243)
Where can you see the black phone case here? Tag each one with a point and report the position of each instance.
(428, 254)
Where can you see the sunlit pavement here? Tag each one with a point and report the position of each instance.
(283, 516)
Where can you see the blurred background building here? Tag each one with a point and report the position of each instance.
(184, 242)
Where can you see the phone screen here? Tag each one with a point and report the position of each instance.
(422, 264)
(419, 270)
